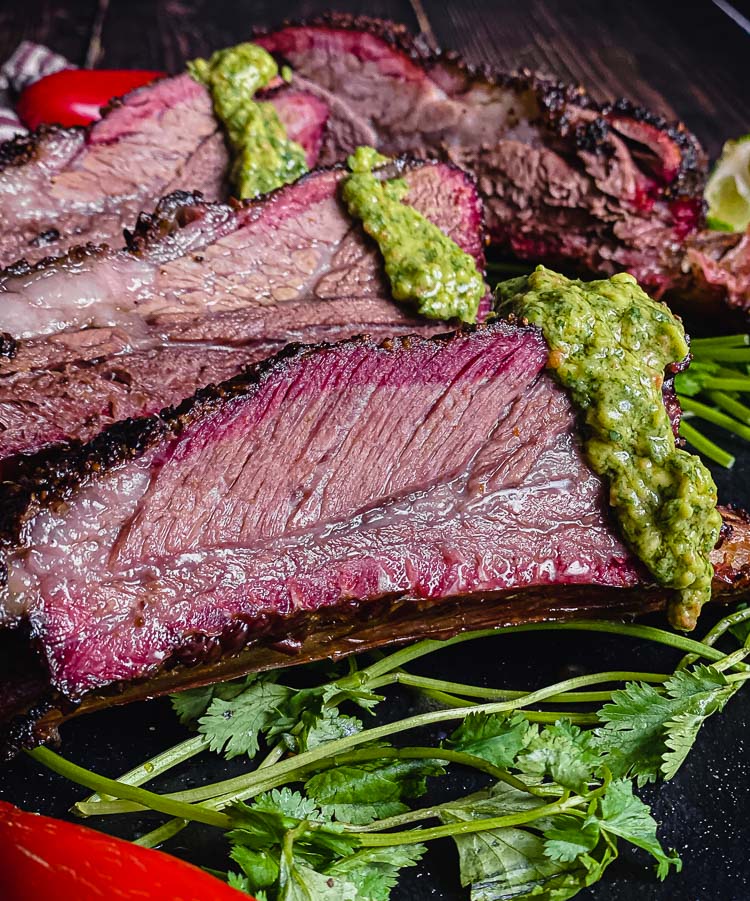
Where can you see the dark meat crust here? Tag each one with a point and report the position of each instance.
(23, 149)
(553, 96)
(313, 635)
(179, 208)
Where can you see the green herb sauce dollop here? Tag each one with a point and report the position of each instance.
(264, 157)
(423, 265)
(609, 346)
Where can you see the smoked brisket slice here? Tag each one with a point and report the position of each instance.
(566, 181)
(203, 290)
(65, 186)
(330, 499)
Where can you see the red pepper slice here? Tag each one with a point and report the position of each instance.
(43, 858)
(76, 96)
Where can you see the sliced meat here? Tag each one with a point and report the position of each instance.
(391, 490)
(564, 180)
(61, 187)
(203, 290)
(600, 188)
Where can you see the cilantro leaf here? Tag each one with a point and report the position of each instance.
(564, 753)
(298, 882)
(512, 862)
(259, 840)
(361, 793)
(625, 815)
(494, 738)
(328, 725)
(234, 726)
(646, 733)
(498, 800)
(309, 716)
(260, 868)
(375, 870)
(238, 881)
(192, 703)
(288, 803)
(568, 838)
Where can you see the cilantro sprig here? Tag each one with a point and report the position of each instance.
(328, 808)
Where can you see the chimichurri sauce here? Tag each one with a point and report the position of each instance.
(609, 346)
(423, 264)
(263, 156)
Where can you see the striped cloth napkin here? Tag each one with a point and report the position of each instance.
(29, 63)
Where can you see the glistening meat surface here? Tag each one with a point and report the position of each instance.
(316, 486)
(61, 187)
(203, 290)
(348, 473)
(564, 180)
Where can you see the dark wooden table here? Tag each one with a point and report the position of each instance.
(683, 59)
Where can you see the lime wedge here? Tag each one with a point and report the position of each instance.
(728, 188)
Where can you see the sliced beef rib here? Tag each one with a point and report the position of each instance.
(329, 499)
(602, 188)
(65, 186)
(564, 180)
(203, 290)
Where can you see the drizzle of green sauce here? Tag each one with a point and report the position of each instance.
(264, 157)
(609, 346)
(423, 265)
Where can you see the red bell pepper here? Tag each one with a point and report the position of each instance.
(43, 858)
(76, 96)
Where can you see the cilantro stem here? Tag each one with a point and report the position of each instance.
(704, 445)
(731, 660)
(152, 800)
(715, 416)
(502, 694)
(732, 406)
(715, 633)
(405, 655)
(409, 836)
(724, 354)
(168, 830)
(401, 819)
(426, 813)
(148, 770)
(718, 384)
(533, 716)
(650, 633)
(242, 787)
(697, 345)
(458, 757)
(161, 834)
(413, 652)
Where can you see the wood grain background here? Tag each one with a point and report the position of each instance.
(687, 60)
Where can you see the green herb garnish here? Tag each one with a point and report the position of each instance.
(716, 388)
(327, 810)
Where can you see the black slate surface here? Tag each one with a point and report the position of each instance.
(682, 59)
